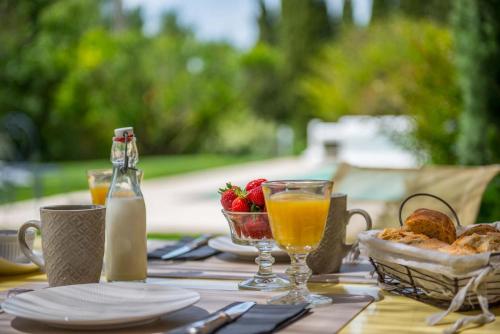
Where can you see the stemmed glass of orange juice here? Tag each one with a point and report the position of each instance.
(298, 210)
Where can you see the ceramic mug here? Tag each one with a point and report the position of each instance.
(72, 243)
(327, 258)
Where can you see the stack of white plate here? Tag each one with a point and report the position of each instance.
(100, 305)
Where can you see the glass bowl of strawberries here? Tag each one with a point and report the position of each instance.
(245, 212)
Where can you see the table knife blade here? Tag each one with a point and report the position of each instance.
(215, 321)
(198, 242)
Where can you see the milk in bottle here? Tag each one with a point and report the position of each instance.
(125, 257)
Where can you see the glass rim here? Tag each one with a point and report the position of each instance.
(224, 211)
(68, 208)
(297, 183)
(99, 170)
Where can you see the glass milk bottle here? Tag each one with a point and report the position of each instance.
(125, 256)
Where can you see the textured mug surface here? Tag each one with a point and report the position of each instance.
(327, 258)
(72, 243)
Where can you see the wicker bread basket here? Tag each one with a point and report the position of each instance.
(455, 282)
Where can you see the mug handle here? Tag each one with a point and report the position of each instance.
(368, 221)
(21, 237)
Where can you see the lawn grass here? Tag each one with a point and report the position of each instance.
(71, 176)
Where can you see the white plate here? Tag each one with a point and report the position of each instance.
(226, 245)
(100, 305)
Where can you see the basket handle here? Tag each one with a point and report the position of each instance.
(428, 195)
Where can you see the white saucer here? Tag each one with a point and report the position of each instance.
(100, 305)
(226, 245)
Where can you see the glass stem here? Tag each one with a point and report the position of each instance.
(265, 261)
(299, 273)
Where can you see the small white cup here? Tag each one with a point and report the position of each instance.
(9, 245)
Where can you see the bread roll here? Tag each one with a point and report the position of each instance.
(410, 238)
(458, 250)
(479, 229)
(434, 244)
(431, 223)
(399, 235)
(491, 243)
(478, 243)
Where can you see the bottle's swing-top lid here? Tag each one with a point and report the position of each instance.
(120, 131)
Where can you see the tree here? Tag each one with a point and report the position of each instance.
(381, 9)
(394, 66)
(477, 33)
(305, 26)
(347, 12)
(437, 10)
(268, 25)
(38, 40)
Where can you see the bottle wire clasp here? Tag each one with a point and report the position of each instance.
(125, 166)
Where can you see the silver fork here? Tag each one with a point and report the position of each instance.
(14, 292)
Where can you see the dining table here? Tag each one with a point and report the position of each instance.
(389, 314)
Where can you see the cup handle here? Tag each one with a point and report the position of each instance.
(368, 221)
(21, 237)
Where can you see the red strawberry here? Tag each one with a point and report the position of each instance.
(240, 205)
(256, 196)
(258, 228)
(254, 183)
(228, 195)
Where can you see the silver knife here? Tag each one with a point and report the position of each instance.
(219, 319)
(198, 242)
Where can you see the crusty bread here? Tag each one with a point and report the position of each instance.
(479, 229)
(479, 243)
(458, 250)
(491, 243)
(474, 240)
(431, 223)
(432, 244)
(471, 244)
(410, 238)
(399, 235)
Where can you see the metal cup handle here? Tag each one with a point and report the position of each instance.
(21, 237)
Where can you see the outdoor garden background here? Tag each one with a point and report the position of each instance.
(73, 70)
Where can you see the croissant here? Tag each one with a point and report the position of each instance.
(431, 223)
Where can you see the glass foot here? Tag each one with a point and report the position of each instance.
(264, 284)
(294, 299)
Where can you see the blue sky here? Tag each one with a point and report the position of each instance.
(230, 20)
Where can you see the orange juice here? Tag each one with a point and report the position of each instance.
(297, 220)
(98, 193)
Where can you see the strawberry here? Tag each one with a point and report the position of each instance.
(254, 183)
(228, 195)
(256, 196)
(257, 228)
(240, 205)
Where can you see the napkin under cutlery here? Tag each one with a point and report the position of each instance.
(199, 253)
(260, 319)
